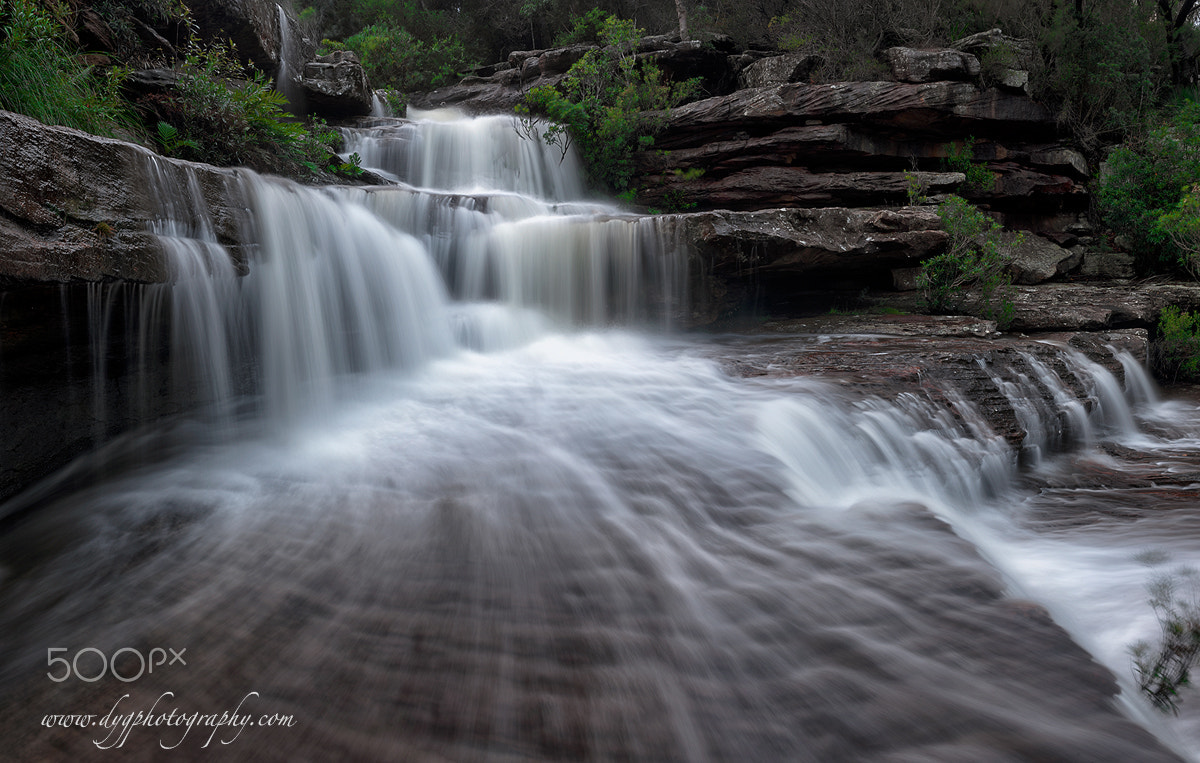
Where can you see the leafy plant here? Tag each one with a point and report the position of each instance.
(960, 157)
(586, 28)
(1182, 225)
(915, 188)
(394, 57)
(1164, 669)
(41, 77)
(351, 168)
(224, 114)
(976, 257)
(1107, 64)
(610, 104)
(1145, 192)
(168, 136)
(1175, 351)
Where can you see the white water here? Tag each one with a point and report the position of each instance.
(467, 516)
(285, 78)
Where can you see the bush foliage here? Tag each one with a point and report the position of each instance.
(1175, 352)
(394, 58)
(976, 257)
(1147, 192)
(224, 114)
(1164, 668)
(609, 106)
(41, 77)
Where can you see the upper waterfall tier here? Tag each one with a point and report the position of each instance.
(446, 150)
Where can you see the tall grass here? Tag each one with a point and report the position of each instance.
(41, 77)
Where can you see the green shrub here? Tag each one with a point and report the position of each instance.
(1107, 63)
(172, 142)
(1144, 193)
(915, 188)
(1175, 351)
(586, 28)
(1182, 225)
(395, 58)
(41, 77)
(1165, 668)
(960, 157)
(221, 118)
(976, 257)
(609, 105)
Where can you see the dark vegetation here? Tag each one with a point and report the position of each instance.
(609, 105)
(1163, 668)
(220, 110)
(1113, 71)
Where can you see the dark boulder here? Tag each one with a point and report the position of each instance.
(336, 86)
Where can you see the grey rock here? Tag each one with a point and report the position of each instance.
(336, 86)
(1036, 260)
(799, 240)
(76, 207)
(1016, 52)
(935, 109)
(779, 70)
(915, 65)
(253, 26)
(1013, 79)
(771, 186)
(905, 279)
(1107, 265)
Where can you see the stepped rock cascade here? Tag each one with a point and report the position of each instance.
(444, 150)
(459, 492)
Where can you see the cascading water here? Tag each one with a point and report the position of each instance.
(285, 77)
(491, 516)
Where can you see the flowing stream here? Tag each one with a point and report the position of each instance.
(454, 490)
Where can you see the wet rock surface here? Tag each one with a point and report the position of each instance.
(252, 25)
(950, 360)
(797, 240)
(336, 86)
(76, 207)
(1076, 306)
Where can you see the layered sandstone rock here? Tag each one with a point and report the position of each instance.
(76, 207)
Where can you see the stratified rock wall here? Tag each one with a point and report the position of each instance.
(76, 207)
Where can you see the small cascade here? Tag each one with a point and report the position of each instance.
(883, 453)
(202, 288)
(333, 290)
(564, 259)
(1073, 425)
(1112, 407)
(285, 78)
(1057, 416)
(445, 150)
(379, 107)
(1139, 387)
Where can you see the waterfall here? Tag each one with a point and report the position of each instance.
(456, 491)
(446, 150)
(285, 78)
